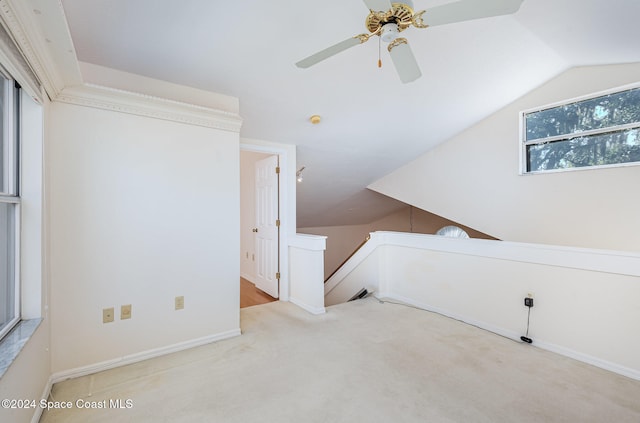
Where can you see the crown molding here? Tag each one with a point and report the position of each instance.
(52, 59)
(22, 23)
(14, 63)
(96, 96)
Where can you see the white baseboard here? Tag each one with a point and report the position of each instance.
(45, 396)
(585, 358)
(145, 355)
(307, 307)
(594, 361)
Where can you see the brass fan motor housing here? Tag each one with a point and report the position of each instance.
(400, 14)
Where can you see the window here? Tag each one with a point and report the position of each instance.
(9, 206)
(602, 130)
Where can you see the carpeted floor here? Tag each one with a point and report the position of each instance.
(363, 361)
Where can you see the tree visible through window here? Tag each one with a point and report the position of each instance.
(599, 131)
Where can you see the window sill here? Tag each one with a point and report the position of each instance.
(12, 344)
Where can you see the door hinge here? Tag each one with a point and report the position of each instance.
(278, 275)
(278, 223)
(278, 170)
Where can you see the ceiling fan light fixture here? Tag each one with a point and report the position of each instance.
(387, 19)
(404, 60)
(390, 32)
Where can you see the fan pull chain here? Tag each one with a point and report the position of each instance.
(379, 52)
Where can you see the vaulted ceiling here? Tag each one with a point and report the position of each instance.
(371, 122)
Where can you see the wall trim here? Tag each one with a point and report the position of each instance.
(45, 396)
(307, 307)
(585, 358)
(145, 355)
(12, 58)
(309, 242)
(116, 100)
(23, 26)
(606, 261)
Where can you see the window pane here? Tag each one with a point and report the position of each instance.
(597, 150)
(7, 264)
(597, 113)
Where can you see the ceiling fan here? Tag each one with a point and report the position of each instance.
(388, 19)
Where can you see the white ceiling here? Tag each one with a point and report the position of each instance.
(372, 124)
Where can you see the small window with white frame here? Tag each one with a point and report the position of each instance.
(9, 205)
(601, 130)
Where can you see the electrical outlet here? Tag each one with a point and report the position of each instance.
(179, 302)
(107, 315)
(125, 312)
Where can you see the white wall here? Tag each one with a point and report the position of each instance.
(306, 257)
(473, 178)
(585, 301)
(33, 238)
(140, 204)
(248, 212)
(27, 377)
(142, 210)
(584, 314)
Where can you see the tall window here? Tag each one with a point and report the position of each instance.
(603, 130)
(9, 205)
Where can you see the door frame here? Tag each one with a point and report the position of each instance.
(283, 202)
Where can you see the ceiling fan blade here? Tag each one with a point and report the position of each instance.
(333, 50)
(404, 60)
(465, 10)
(378, 5)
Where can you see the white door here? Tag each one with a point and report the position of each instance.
(267, 225)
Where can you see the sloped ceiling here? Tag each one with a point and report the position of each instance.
(581, 208)
(372, 124)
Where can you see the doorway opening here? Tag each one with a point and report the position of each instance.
(262, 238)
(251, 296)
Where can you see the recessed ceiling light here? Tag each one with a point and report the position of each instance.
(315, 119)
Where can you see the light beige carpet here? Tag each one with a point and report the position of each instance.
(361, 362)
